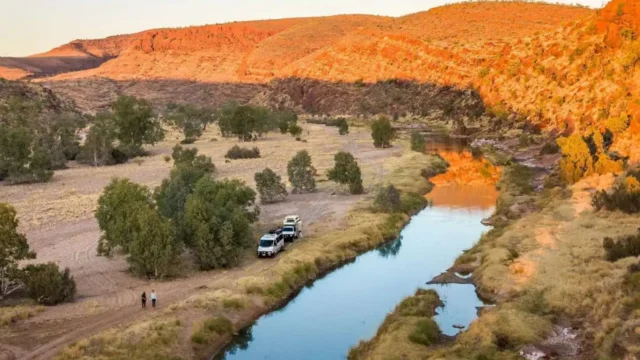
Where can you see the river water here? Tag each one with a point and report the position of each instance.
(334, 313)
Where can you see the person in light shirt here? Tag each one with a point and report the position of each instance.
(154, 298)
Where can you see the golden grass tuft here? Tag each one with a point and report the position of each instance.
(12, 314)
(149, 340)
(406, 332)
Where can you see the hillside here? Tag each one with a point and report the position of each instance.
(450, 45)
(74, 56)
(47, 99)
(565, 68)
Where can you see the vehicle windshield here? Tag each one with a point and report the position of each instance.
(266, 243)
(288, 229)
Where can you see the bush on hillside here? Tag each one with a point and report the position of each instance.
(47, 285)
(417, 141)
(549, 148)
(585, 156)
(625, 195)
(237, 152)
(617, 124)
(622, 247)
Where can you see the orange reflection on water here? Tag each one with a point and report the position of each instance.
(464, 196)
(468, 183)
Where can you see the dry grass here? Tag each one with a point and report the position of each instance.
(558, 254)
(12, 314)
(405, 332)
(251, 295)
(149, 340)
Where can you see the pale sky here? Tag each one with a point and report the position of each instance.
(33, 26)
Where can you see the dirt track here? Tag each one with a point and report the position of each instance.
(57, 218)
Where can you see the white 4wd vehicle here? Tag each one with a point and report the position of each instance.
(271, 243)
(292, 227)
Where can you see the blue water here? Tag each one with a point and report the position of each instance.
(333, 314)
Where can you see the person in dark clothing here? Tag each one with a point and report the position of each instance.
(144, 300)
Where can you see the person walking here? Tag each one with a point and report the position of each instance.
(154, 298)
(144, 300)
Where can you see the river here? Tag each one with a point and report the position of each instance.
(335, 312)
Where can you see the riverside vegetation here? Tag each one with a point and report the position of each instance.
(229, 308)
(562, 251)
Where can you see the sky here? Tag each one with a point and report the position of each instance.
(33, 26)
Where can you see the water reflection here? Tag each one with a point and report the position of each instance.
(349, 304)
(391, 248)
(437, 143)
(239, 342)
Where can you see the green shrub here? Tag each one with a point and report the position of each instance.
(211, 329)
(426, 332)
(235, 304)
(622, 247)
(550, 148)
(435, 168)
(520, 177)
(295, 130)
(382, 133)
(388, 199)
(476, 152)
(624, 197)
(417, 141)
(291, 280)
(343, 126)
(411, 203)
(423, 304)
(47, 285)
(237, 152)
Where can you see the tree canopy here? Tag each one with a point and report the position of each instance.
(301, 172)
(270, 186)
(13, 249)
(219, 214)
(189, 118)
(346, 171)
(33, 142)
(135, 124)
(117, 206)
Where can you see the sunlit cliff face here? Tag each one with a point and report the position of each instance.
(469, 182)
